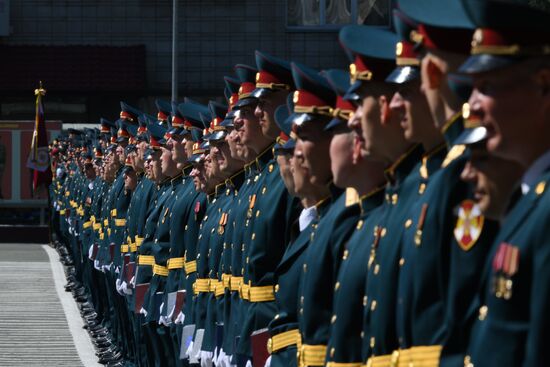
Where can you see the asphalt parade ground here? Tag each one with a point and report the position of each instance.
(40, 324)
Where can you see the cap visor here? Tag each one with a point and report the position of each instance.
(471, 136)
(334, 123)
(260, 92)
(351, 93)
(484, 63)
(245, 102)
(403, 74)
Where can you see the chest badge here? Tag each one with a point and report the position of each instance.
(505, 266)
(469, 224)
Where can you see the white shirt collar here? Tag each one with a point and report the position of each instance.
(531, 176)
(307, 216)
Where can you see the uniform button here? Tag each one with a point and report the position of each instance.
(332, 351)
(362, 334)
(394, 198)
(373, 305)
(383, 232)
(276, 288)
(372, 341)
(253, 236)
(276, 316)
(333, 319)
(257, 213)
(345, 255)
(242, 247)
(408, 223)
(301, 311)
(336, 286)
(376, 269)
(359, 224)
(483, 310)
(186, 227)
(365, 298)
(302, 300)
(305, 268)
(401, 262)
(247, 259)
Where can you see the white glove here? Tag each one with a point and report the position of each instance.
(125, 289)
(206, 358)
(180, 319)
(117, 270)
(189, 352)
(96, 265)
(133, 282)
(248, 363)
(118, 285)
(106, 268)
(268, 362)
(143, 312)
(90, 252)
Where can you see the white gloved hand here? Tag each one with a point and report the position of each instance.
(180, 319)
(215, 356)
(189, 351)
(248, 363)
(133, 282)
(90, 252)
(126, 290)
(206, 358)
(96, 265)
(118, 285)
(143, 312)
(268, 362)
(117, 270)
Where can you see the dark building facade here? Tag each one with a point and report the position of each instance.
(91, 54)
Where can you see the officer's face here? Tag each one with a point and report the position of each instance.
(147, 169)
(225, 159)
(177, 148)
(369, 114)
(248, 127)
(493, 180)
(315, 148)
(341, 157)
(168, 166)
(156, 166)
(89, 171)
(513, 104)
(300, 172)
(412, 110)
(265, 112)
(283, 160)
(232, 141)
(130, 180)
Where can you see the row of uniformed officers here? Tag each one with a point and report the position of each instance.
(336, 218)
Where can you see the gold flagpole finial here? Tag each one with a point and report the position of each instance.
(40, 90)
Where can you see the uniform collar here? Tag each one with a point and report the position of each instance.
(219, 189)
(431, 161)
(264, 158)
(372, 199)
(453, 128)
(236, 180)
(187, 170)
(404, 164)
(176, 180)
(533, 173)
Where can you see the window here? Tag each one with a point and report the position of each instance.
(332, 14)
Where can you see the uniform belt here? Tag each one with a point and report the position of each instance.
(87, 224)
(175, 263)
(120, 222)
(243, 291)
(160, 270)
(235, 283)
(201, 286)
(97, 226)
(190, 267)
(133, 247)
(139, 241)
(261, 294)
(312, 355)
(226, 280)
(424, 356)
(146, 260)
(283, 340)
(219, 290)
(124, 248)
